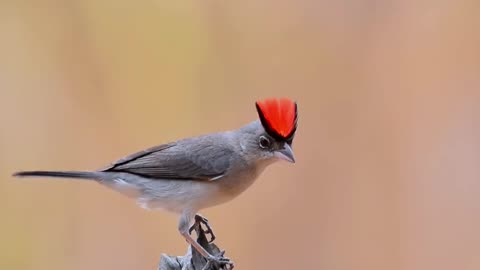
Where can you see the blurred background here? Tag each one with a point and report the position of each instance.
(387, 173)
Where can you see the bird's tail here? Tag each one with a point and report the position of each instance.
(62, 174)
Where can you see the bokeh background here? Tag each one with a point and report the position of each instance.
(388, 152)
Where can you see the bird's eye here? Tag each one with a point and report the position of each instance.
(264, 142)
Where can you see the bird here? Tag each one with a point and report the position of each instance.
(191, 174)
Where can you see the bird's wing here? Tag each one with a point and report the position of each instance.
(205, 162)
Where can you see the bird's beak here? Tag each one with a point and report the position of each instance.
(286, 153)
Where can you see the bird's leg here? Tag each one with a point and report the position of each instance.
(183, 228)
(199, 219)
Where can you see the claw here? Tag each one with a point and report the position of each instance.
(220, 261)
(202, 220)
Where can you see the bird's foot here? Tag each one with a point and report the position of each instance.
(219, 261)
(199, 220)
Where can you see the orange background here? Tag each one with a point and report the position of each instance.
(387, 173)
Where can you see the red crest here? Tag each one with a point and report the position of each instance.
(278, 117)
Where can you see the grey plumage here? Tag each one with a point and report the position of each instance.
(186, 175)
(200, 158)
(194, 173)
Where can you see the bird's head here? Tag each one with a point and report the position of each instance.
(270, 138)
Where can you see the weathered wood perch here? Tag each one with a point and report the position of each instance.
(193, 260)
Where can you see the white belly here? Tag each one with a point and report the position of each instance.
(179, 195)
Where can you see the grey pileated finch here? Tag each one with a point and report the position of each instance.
(195, 173)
